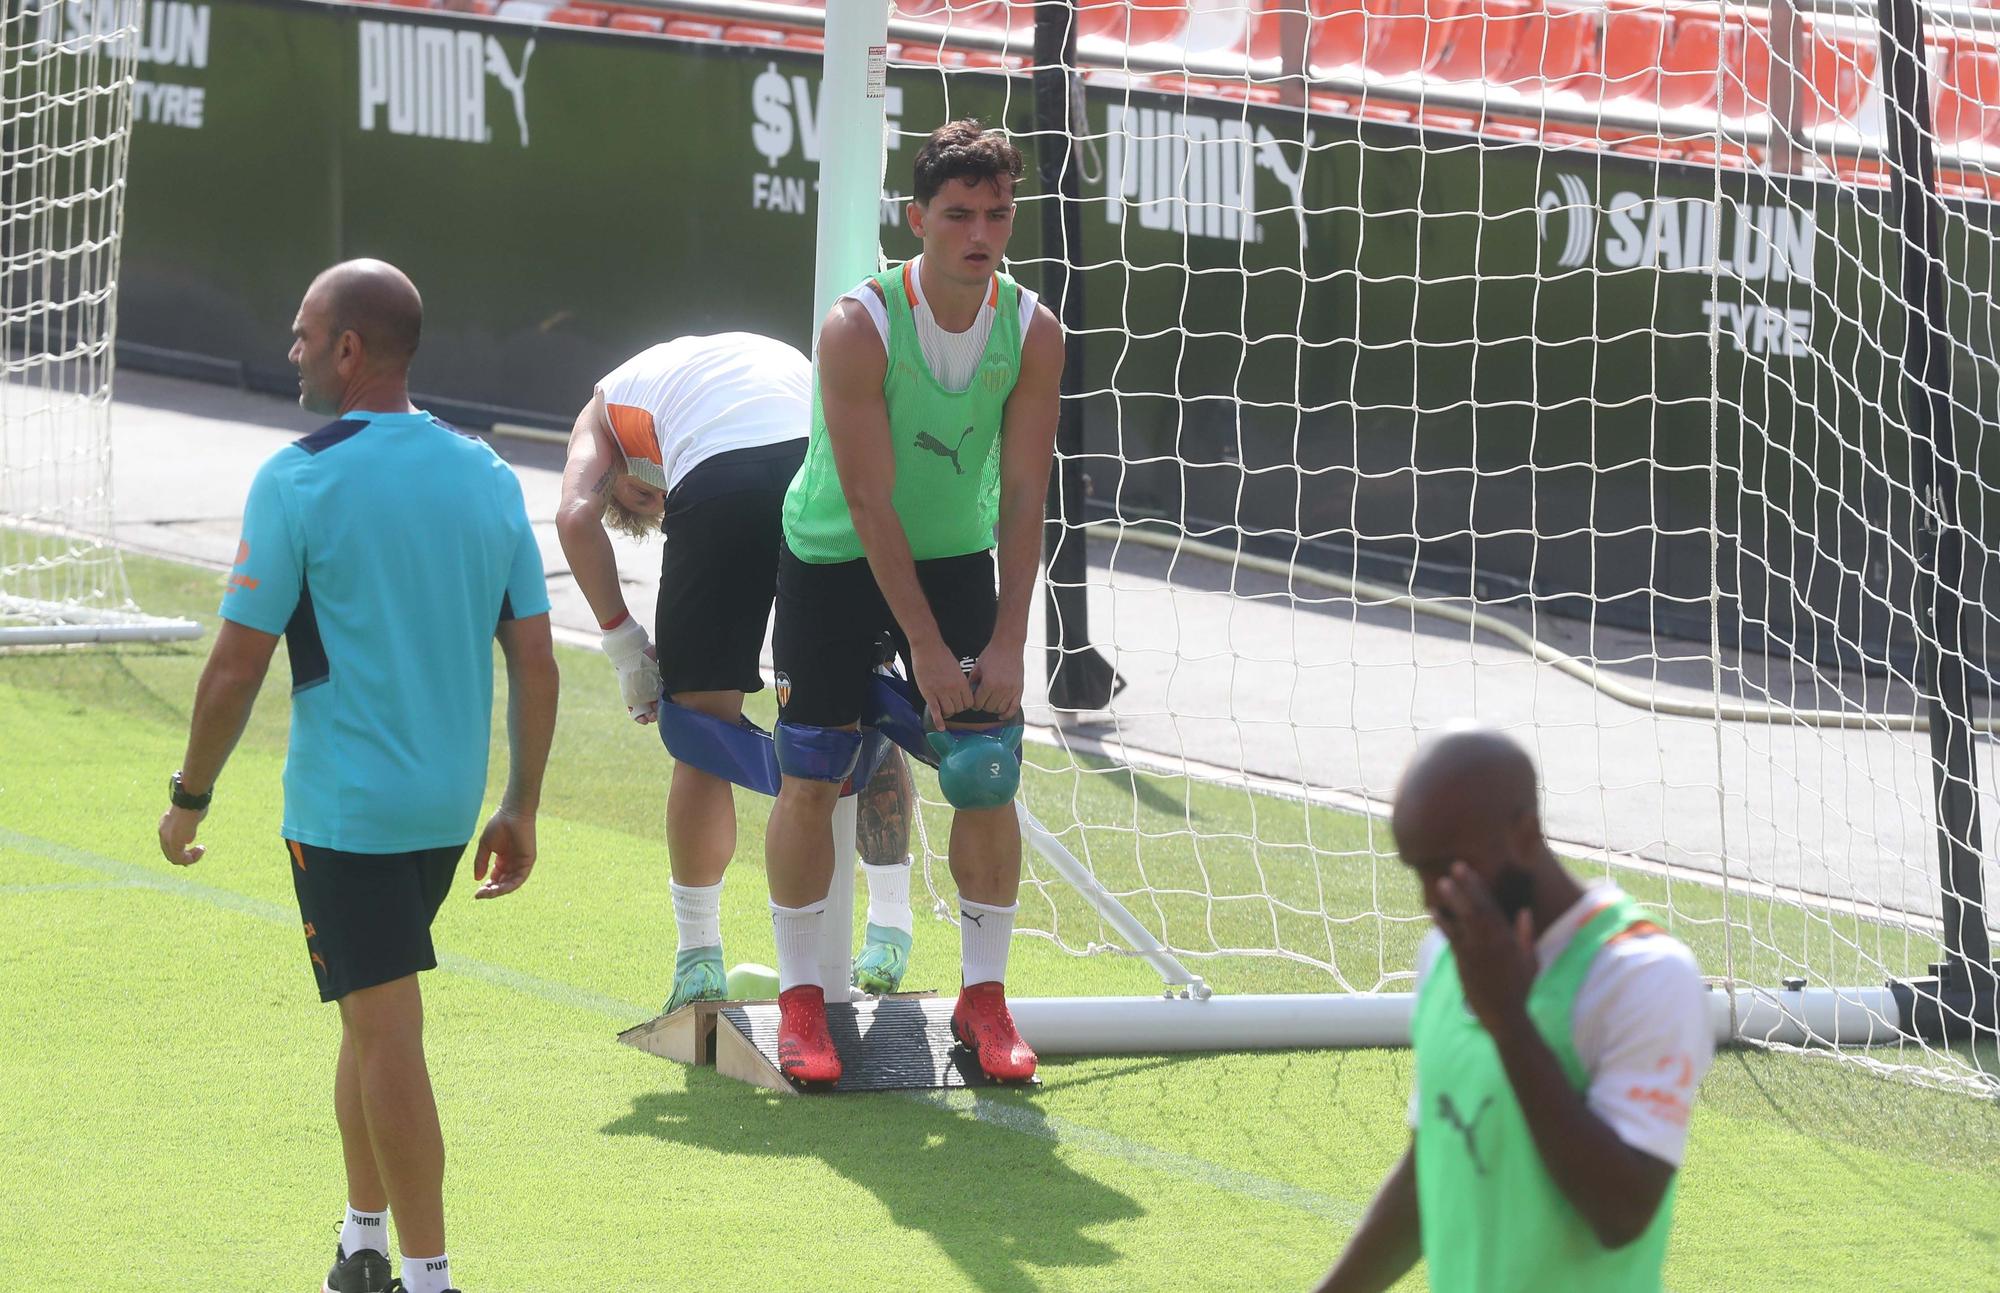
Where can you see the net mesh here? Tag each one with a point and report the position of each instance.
(66, 76)
(1549, 373)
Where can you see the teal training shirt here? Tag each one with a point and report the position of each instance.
(386, 548)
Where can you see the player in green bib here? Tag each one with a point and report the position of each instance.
(1559, 1039)
(936, 389)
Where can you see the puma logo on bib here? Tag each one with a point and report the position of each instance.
(925, 440)
(1449, 1112)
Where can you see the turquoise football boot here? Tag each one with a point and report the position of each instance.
(883, 962)
(698, 976)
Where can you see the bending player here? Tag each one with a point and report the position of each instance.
(933, 429)
(699, 437)
(1559, 1037)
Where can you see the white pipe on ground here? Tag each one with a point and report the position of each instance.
(78, 634)
(1160, 1025)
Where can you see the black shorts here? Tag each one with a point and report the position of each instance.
(831, 617)
(368, 915)
(724, 524)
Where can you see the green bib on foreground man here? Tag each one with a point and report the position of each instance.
(1492, 1217)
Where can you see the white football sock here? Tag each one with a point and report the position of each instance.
(796, 931)
(698, 914)
(427, 1274)
(889, 896)
(364, 1230)
(983, 931)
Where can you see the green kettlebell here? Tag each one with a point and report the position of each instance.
(977, 769)
(752, 982)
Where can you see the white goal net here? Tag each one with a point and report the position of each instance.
(66, 75)
(1551, 371)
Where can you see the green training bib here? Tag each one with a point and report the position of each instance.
(1493, 1220)
(947, 444)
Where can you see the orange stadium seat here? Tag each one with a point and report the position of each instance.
(646, 22)
(1384, 110)
(1840, 70)
(571, 16)
(1265, 38)
(1746, 67)
(1147, 22)
(1687, 73)
(412, 4)
(1480, 39)
(931, 55)
(1729, 159)
(1406, 37)
(743, 33)
(689, 29)
(1339, 35)
(1093, 17)
(811, 42)
(984, 14)
(1555, 46)
(1445, 119)
(1968, 96)
(1244, 91)
(1634, 49)
(987, 58)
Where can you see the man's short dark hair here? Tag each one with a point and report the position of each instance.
(964, 150)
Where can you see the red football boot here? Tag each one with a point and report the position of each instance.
(983, 1025)
(805, 1049)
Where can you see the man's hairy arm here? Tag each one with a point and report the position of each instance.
(1027, 450)
(594, 463)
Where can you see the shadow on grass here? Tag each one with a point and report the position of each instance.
(995, 1201)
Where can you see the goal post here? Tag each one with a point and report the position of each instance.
(66, 78)
(1527, 361)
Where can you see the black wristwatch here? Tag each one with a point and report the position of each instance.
(182, 799)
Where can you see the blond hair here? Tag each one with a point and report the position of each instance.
(623, 519)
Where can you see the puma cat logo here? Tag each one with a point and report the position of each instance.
(925, 440)
(979, 919)
(1449, 1112)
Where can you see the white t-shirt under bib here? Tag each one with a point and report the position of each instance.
(675, 405)
(953, 356)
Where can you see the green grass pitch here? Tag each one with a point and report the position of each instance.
(166, 1069)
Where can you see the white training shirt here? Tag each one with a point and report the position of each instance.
(1640, 1026)
(675, 405)
(953, 356)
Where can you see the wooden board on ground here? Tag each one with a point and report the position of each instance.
(687, 1036)
(886, 1044)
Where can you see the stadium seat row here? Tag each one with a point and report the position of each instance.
(1695, 59)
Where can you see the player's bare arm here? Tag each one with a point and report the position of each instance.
(1389, 1239)
(1027, 450)
(1614, 1187)
(593, 467)
(223, 700)
(852, 364)
(532, 684)
(589, 477)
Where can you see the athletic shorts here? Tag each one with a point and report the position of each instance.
(724, 524)
(368, 915)
(832, 617)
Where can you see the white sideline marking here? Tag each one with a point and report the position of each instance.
(1023, 1119)
(168, 882)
